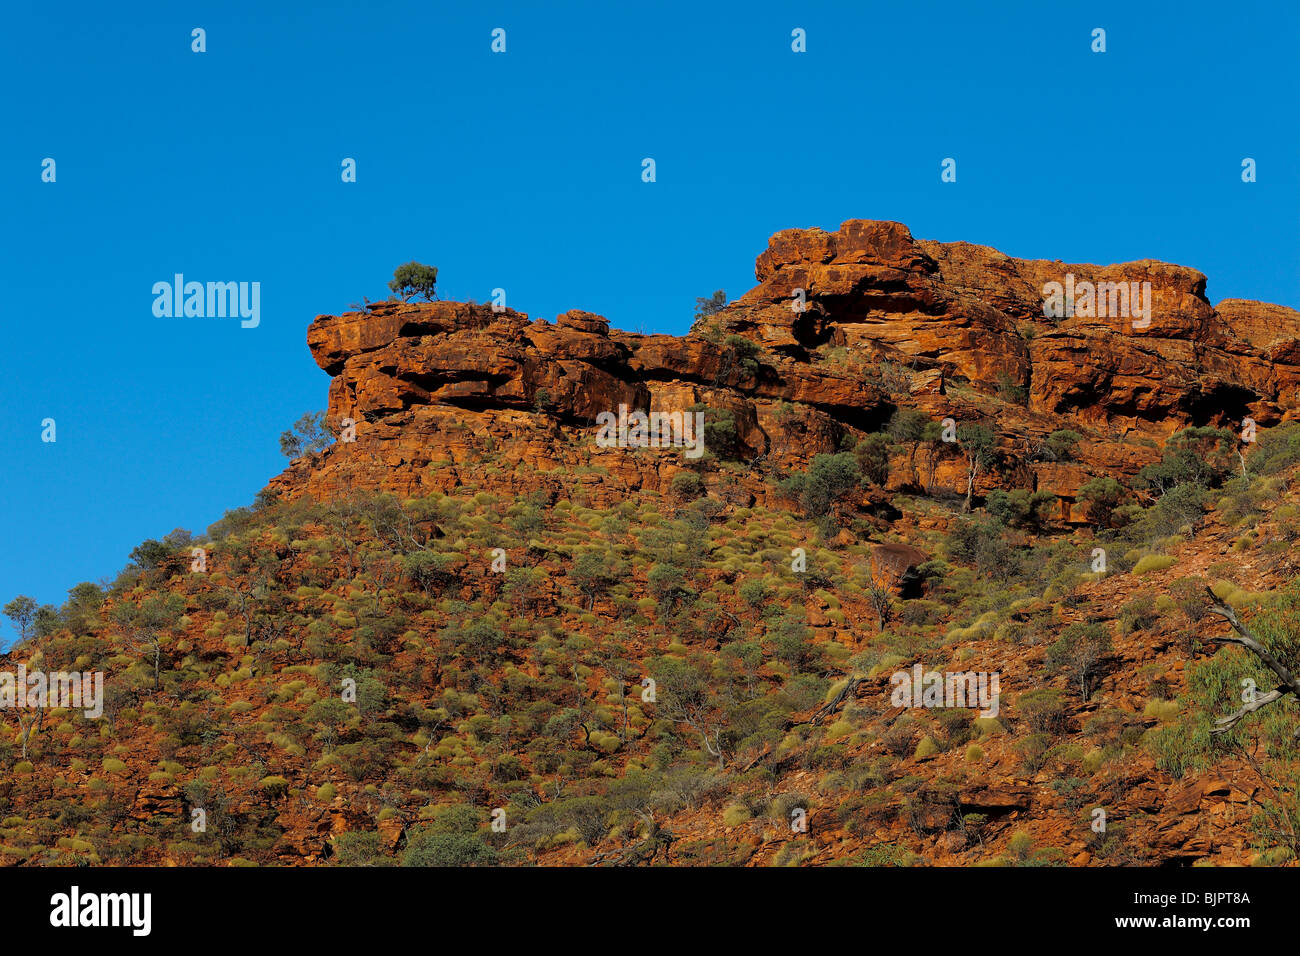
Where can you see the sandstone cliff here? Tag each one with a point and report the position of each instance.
(883, 320)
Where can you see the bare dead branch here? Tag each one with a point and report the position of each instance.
(1244, 637)
(1224, 724)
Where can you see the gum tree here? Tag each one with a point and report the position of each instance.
(309, 435)
(978, 446)
(149, 625)
(413, 279)
(21, 612)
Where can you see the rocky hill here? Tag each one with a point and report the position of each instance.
(886, 321)
(470, 631)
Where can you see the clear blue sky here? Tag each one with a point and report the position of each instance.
(523, 170)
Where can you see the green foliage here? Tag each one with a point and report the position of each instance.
(721, 439)
(982, 542)
(1081, 651)
(791, 642)
(21, 612)
(1276, 449)
(1060, 444)
(913, 429)
(886, 854)
(273, 785)
(1101, 497)
(706, 306)
(755, 593)
(1278, 626)
(309, 435)
(1202, 457)
(907, 425)
(47, 621)
(1020, 507)
(151, 555)
(411, 279)
(1179, 510)
(1138, 614)
(687, 485)
(739, 352)
(594, 573)
(448, 849)
(359, 848)
(428, 570)
(667, 584)
(81, 611)
(1217, 687)
(828, 480)
(978, 445)
(735, 814)
(977, 442)
(872, 453)
(1042, 710)
(1009, 390)
(1153, 562)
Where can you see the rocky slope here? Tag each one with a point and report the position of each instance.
(473, 635)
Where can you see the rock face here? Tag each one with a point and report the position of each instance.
(848, 326)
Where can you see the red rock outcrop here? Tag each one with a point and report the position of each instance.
(849, 325)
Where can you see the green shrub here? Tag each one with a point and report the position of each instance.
(926, 747)
(872, 454)
(448, 849)
(687, 485)
(1101, 497)
(736, 814)
(887, 854)
(1162, 710)
(1198, 456)
(1276, 449)
(1020, 507)
(1020, 846)
(1081, 652)
(828, 479)
(1138, 614)
(1181, 746)
(358, 848)
(1153, 562)
(1042, 710)
(273, 785)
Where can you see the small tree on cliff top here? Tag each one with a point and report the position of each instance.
(22, 612)
(414, 279)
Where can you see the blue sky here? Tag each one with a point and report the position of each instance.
(523, 170)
